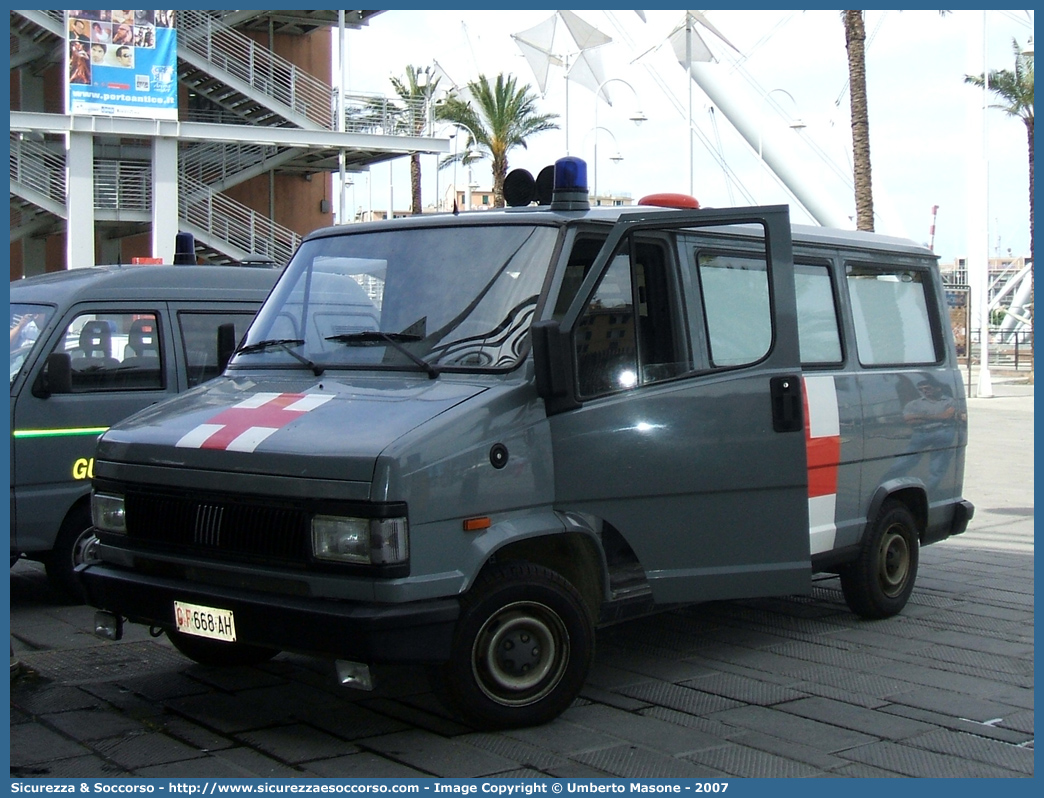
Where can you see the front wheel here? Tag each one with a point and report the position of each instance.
(218, 652)
(522, 649)
(879, 583)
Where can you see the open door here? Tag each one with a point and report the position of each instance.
(685, 428)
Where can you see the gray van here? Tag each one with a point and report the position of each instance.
(470, 440)
(88, 348)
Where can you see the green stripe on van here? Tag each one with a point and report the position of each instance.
(58, 433)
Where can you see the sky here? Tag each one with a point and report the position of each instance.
(788, 75)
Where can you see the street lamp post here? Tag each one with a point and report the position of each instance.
(795, 124)
(467, 196)
(637, 117)
(615, 158)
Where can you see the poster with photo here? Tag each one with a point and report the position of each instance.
(122, 63)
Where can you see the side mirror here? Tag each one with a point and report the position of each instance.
(554, 369)
(226, 344)
(55, 377)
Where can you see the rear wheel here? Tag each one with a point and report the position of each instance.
(218, 652)
(879, 583)
(522, 649)
(73, 546)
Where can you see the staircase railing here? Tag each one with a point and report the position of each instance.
(231, 221)
(38, 167)
(264, 71)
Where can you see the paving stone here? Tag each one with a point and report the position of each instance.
(192, 734)
(35, 744)
(514, 750)
(437, 755)
(416, 718)
(911, 761)
(993, 731)
(954, 703)
(823, 736)
(210, 767)
(612, 699)
(849, 716)
(788, 749)
(362, 765)
(229, 714)
(860, 771)
(739, 760)
(296, 743)
(165, 685)
(642, 730)
(249, 762)
(741, 688)
(77, 767)
(40, 698)
(94, 724)
(352, 722)
(634, 762)
(142, 750)
(714, 728)
(681, 698)
(1009, 757)
(563, 738)
(115, 697)
(521, 773)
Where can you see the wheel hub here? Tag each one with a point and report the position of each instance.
(520, 654)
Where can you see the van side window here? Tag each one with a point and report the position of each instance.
(892, 321)
(114, 351)
(626, 337)
(818, 333)
(199, 335)
(735, 292)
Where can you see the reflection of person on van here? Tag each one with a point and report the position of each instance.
(932, 416)
(24, 331)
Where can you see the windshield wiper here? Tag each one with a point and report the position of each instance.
(376, 337)
(284, 344)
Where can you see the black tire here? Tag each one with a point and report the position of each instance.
(879, 583)
(72, 547)
(219, 653)
(510, 606)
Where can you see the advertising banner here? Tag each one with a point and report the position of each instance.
(122, 63)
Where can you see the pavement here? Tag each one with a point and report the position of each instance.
(788, 687)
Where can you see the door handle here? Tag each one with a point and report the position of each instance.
(786, 404)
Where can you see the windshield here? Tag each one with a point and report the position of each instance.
(429, 299)
(26, 323)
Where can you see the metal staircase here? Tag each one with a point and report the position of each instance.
(247, 84)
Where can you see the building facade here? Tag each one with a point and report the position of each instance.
(247, 167)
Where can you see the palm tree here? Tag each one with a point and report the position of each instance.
(500, 117)
(855, 42)
(1014, 89)
(415, 92)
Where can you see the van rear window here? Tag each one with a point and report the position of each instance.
(892, 322)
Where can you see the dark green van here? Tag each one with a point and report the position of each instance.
(90, 347)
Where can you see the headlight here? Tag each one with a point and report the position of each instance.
(108, 513)
(369, 541)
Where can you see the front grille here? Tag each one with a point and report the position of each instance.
(213, 525)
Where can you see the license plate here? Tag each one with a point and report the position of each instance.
(193, 619)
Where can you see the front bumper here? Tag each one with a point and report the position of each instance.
(415, 632)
